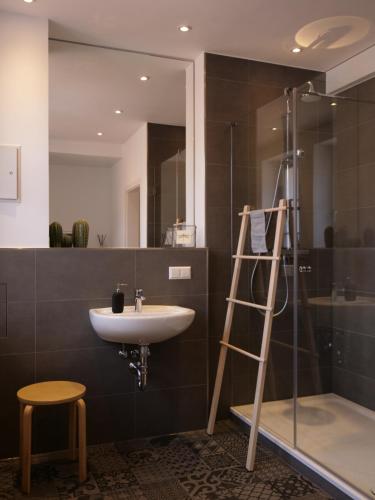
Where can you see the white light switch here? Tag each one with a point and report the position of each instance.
(180, 273)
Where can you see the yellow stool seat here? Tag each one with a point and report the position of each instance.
(51, 393)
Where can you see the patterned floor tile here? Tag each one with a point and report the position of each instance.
(152, 473)
(254, 490)
(220, 460)
(165, 490)
(183, 466)
(292, 485)
(115, 480)
(71, 488)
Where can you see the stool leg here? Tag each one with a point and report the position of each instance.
(73, 430)
(81, 405)
(26, 448)
(22, 407)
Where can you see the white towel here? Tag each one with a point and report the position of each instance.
(258, 231)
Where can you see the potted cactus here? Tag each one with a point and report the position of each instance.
(67, 240)
(80, 233)
(55, 235)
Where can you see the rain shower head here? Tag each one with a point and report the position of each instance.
(311, 95)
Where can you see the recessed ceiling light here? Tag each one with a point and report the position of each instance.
(274, 129)
(333, 103)
(144, 78)
(99, 133)
(28, 1)
(184, 28)
(296, 50)
(118, 111)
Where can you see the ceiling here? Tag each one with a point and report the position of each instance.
(331, 30)
(87, 85)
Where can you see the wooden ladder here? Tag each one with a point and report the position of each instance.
(268, 308)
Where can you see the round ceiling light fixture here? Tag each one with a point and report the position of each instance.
(28, 1)
(118, 111)
(333, 103)
(144, 78)
(99, 134)
(274, 129)
(184, 28)
(296, 50)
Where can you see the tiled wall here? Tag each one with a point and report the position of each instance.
(49, 336)
(164, 141)
(235, 91)
(354, 251)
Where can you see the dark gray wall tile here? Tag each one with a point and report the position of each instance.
(17, 269)
(157, 411)
(152, 271)
(110, 418)
(70, 282)
(227, 68)
(16, 371)
(178, 364)
(20, 318)
(354, 387)
(64, 325)
(101, 369)
(75, 273)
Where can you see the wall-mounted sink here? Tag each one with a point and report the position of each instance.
(153, 324)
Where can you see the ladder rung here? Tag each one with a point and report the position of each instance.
(241, 351)
(266, 210)
(255, 257)
(250, 304)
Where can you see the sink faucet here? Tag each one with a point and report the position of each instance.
(138, 299)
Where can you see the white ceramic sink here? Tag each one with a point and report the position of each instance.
(153, 324)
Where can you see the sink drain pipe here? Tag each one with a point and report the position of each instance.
(138, 366)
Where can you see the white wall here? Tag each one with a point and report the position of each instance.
(199, 151)
(352, 71)
(127, 173)
(82, 192)
(190, 127)
(24, 121)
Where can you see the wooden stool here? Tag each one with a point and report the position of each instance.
(52, 393)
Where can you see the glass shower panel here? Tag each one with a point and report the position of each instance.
(261, 173)
(335, 340)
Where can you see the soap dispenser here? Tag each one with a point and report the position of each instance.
(118, 299)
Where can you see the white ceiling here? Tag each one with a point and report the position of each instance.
(87, 84)
(254, 29)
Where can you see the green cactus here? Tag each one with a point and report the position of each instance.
(80, 233)
(55, 235)
(67, 240)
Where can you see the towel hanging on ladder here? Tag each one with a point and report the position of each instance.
(258, 231)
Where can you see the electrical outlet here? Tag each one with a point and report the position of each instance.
(179, 272)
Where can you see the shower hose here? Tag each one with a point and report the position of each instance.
(283, 307)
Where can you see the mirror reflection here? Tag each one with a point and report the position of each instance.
(117, 147)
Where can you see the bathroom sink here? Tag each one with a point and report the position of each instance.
(340, 301)
(153, 324)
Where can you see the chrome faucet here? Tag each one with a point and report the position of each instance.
(138, 299)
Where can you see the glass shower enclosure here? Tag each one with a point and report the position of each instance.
(318, 151)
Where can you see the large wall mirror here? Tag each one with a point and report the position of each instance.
(120, 151)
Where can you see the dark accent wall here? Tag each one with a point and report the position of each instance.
(164, 141)
(236, 89)
(354, 245)
(45, 296)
